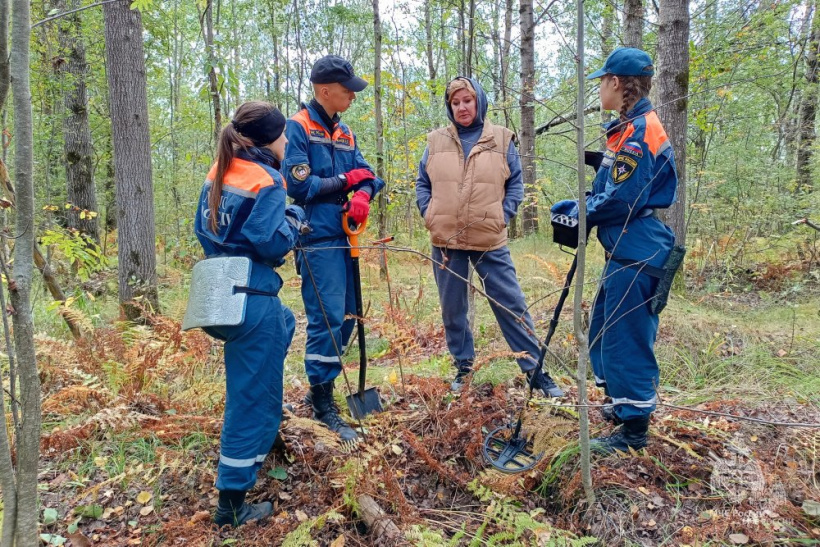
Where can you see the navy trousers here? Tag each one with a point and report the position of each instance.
(622, 336)
(254, 365)
(334, 296)
(500, 282)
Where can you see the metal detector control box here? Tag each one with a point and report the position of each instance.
(564, 230)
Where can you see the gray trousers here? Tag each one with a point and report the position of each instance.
(501, 284)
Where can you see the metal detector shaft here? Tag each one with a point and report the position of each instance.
(558, 308)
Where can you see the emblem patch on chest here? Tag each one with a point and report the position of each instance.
(344, 141)
(300, 172)
(623, 168)
(317, 133)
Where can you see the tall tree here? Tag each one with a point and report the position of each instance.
(633, 23)
(125, 64)
(77, 143)
(207, 24)
(673, 102)
(428, 49)
(20, 500)
(808, 108)
(377, 105)
(527, 104)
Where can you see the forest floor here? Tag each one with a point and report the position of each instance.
(132, 416)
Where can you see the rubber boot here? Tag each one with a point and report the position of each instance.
(233, 511)
(632, 434)
(608, 412)
(545, 383)
(326, 411)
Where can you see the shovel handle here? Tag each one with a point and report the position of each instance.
(353, 233)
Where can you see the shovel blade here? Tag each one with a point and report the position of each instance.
(365, 402)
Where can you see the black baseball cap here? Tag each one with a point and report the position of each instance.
(332, 69)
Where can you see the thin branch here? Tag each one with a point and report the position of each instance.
(69, 12)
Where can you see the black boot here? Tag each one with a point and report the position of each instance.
(608, 412)
(545, 383)
(233, 511)
(463, 369)
(326, 411)
(632, 434)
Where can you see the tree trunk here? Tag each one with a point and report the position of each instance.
(505, 67)
(462, 37)
(527, 103)
(377, 105)
(207, 24)
(633, 24)
(582, 334)
(5, 80)
(77, 145)
(28, 445)
(673, 103)
(808, 109)
(132, 156)
(607, 24)
(468, 63)
(428, 46)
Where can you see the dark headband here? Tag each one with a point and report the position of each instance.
(264, 130)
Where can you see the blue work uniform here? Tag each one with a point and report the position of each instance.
(252, 223)
(495, 267)
(636, 178)
(316, 154)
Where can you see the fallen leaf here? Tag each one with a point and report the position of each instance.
(284, 496)
(753, 438)
(643, 490)
(739, 539)
(145, 511)
(301, 516)
(811, 508)
(338, 542)
(144, 497)
(393, 378)
(279, 473)
(396, 449)
(79, 540)
(782, 353)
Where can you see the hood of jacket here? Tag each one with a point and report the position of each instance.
(481, 105)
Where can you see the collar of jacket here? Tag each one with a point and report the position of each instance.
(319, 114)
(261, 155)
(641, 107)
(486, 140)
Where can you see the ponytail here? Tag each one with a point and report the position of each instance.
(635, 89)
(230, 142)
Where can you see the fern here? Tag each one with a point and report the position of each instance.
(422, 536)
(301, 537)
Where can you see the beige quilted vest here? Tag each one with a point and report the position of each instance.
(465, 211)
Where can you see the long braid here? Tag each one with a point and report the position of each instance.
(635, 89)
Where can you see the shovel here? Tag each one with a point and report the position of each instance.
(365, 401)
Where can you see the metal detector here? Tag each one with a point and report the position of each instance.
(514, 453)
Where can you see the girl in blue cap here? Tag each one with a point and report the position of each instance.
(636, 178)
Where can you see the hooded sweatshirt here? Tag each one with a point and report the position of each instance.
(469, 135)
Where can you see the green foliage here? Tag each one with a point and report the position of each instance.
(301, 537)
(85, 256)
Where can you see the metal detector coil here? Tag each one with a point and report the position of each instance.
(507, 451)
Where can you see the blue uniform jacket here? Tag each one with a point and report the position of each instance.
(637, 176)
(251, 212)
(316, 152)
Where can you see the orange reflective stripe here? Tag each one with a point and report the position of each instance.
(616, 141)
(655, 134)
(244, 175)
(312, 128)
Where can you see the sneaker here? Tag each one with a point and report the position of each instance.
(463, 370)
(545, 383)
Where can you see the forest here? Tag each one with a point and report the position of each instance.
(111, 112)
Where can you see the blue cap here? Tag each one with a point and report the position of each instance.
(626, 61)
(332, 69)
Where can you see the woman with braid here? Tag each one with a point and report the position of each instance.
(636, 178)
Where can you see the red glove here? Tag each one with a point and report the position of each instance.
(358, 207)
(355, 176)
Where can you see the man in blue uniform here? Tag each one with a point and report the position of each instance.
(323, 165)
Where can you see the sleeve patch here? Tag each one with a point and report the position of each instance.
(300, 172)
(633, 148)
(623, 168)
